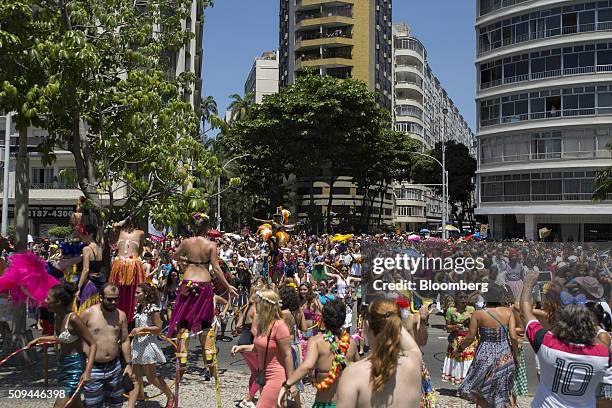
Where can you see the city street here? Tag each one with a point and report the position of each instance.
(195, 392)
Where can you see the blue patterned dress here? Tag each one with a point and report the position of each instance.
(491, 374)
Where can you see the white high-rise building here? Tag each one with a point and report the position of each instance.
(53, 191)
(263, 77)
(544, 96)
(418, 104)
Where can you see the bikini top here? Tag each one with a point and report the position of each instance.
(127, 244)
(66, 337)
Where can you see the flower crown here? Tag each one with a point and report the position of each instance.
(263, 297)
(198, 216)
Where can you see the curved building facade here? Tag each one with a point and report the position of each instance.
(418, 111)
(544, 103)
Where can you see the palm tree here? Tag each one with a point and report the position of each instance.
(239, 107)
(209, 107)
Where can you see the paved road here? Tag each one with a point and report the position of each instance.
(195, 392)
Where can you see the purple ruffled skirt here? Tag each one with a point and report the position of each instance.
(194, 305)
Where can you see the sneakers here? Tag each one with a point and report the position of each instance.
(245, 404)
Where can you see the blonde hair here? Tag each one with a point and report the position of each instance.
(268, 309)
(386, 324)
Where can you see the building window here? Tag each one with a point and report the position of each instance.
(42, 177)
(577, 18)
(342, 191)
(409, 211)
(545, 186)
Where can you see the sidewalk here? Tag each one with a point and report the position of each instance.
(194, 392)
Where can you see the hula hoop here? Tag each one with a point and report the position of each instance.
(76, 392)
(14, 353)
(79, 386)
(169, 340)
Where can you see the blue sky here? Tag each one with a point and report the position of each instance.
(237, 31)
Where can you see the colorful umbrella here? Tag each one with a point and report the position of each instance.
(414, 237)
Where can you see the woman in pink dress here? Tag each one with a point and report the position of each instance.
(273, 347)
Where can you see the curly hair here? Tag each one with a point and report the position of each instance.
(290, 299)
(576, 324)
(150, 293)
(64, 293)
(334, 315)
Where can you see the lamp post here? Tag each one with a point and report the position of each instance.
(5, 178)
(219, 189)
(444, 179)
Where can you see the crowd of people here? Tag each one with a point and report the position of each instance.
(303, 313)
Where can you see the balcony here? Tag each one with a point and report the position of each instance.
(604, 111)
(330, 57)
(53, 186)
(557, 73)
(329, 16)
(498, 5)
(484, 49)
(540, 197)
(337, 37)
(317, 3)
(547, 156)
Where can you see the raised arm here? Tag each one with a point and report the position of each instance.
(526, 303)
(85, 271)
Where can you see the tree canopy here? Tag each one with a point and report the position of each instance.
(318, 129)
(461, 167)
(100, 78)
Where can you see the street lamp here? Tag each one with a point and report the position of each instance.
(444, 180)
(219, 189)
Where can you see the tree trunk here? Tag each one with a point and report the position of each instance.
(21, 334)
(330, 199)
(311, 206)
(380, 207)
(362, 213)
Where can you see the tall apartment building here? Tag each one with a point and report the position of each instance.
(544, 95)
(418, 106)
(263, 77)
(343, 39)
(53, 191)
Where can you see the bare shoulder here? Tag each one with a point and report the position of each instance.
(122, 316)
(357, 370)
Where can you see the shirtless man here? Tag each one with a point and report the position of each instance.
(127, 271)
(402, 387)
(194, 308)
(108, 325)
(320, 357)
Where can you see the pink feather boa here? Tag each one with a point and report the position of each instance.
(27, 277)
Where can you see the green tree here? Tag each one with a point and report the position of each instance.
(60, 231)
(112, 100)
(461, 167)
(603, 182)
(209, 107)
(240, 107)
(317, 129)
